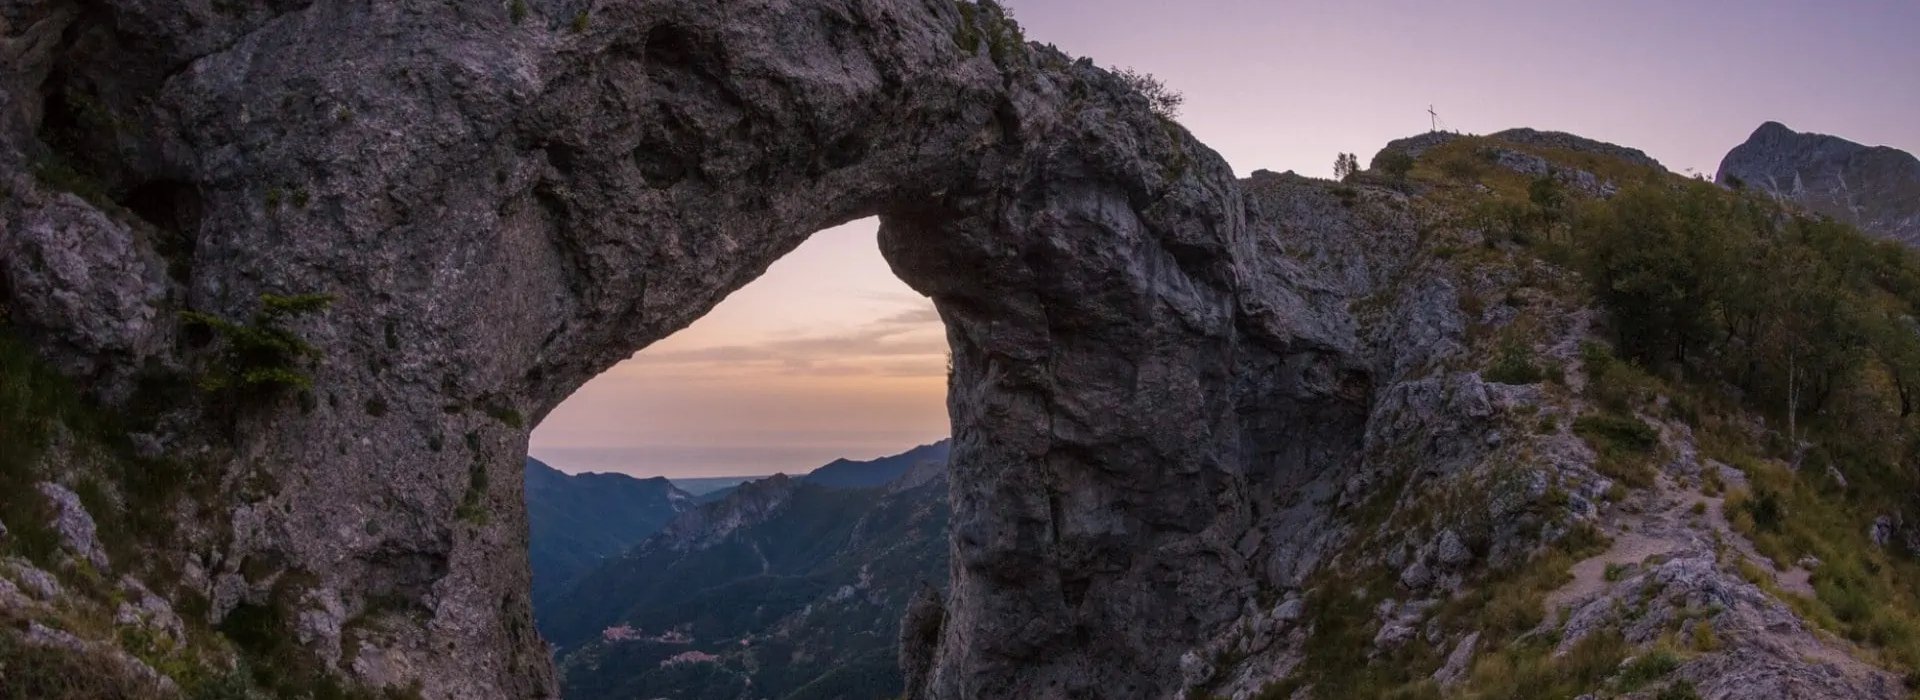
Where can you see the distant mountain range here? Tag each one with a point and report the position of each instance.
(577, 521)
(840, 473)
(852, 474)
(1874, 188)
(703, 485)
(790, 586)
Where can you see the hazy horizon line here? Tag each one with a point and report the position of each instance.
(705, 461)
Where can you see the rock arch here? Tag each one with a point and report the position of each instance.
(505, 200)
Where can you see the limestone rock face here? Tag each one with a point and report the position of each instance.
(505, 199)
(1877, 189)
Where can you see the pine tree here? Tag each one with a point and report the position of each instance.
(1345, 165)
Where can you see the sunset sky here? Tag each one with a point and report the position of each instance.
(828, 355)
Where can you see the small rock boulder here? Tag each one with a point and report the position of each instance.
(1882, 531)
(74, 525)
(1458, 663)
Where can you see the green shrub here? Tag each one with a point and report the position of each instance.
(36, 403)
(1547, 195)
(504, 413)
(1647, 668)
(1164, 101)
(473, 504)
(1764, 508)
(264, 356)
(34, 672)
(1625, 444)
(56, 173)
(1460, 166)
(1513, 364)
(1395, 164)
(1625, 433)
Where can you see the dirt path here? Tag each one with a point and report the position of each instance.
(1663, 521)
(1590, 575)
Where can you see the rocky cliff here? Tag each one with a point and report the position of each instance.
(495, 203)
(1877, 189)
(322, 265)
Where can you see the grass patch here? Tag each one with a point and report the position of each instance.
(1528, 668)
(507, 415)
(1625, 443)
(1513, 601)
(473, 504)
(1513, 364)
(1648, 668)
(1864, 593)
(1506, 605)
(30, 672)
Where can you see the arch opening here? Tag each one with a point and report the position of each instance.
(802, 419)
(825, 355)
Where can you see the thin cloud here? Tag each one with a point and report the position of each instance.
(914, 317)
(910, 343)
(864, 343)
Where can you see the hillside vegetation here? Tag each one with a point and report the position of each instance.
(1748, 381)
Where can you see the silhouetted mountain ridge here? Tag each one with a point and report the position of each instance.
(848, 473)
(576, 521)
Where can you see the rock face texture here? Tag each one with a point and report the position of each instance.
(1877, 189)
(505, 199)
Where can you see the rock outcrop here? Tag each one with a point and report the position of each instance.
(1876, 189)
(504, 200)
(1417, 145)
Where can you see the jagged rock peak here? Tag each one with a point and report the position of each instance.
(1875, 188)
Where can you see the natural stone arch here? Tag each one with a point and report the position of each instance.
(505, 203)
(1078, 248)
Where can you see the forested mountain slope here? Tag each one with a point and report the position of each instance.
(579, 520)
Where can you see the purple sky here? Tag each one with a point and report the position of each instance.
(1285, 84)
(828, 355)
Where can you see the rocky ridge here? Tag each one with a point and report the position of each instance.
(1475, 477)
(1877, 189)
